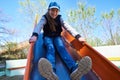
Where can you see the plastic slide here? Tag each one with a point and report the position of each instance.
(102, 68)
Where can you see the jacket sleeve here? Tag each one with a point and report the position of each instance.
(67, 27)
(39, 27)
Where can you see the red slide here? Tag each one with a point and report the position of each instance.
(102, 68)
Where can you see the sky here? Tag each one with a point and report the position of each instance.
(10, 8)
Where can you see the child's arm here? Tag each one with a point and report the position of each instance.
(37, 30)
(72, 31)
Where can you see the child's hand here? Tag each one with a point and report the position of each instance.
(33, 39)
(82, 40)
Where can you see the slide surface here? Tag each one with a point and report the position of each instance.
(102, 69)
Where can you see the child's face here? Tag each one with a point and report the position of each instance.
(53, 12)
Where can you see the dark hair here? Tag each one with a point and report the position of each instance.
(51, 22)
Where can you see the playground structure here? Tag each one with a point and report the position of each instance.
(102, 68)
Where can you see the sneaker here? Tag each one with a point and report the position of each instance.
(84, 66)
(45, 69)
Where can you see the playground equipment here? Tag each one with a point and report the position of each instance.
(102, 68)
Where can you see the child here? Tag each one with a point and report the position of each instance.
(52, 24)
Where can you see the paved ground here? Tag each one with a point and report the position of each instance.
(11, 78)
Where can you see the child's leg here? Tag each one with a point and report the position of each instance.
(47, 66)
(50, 50)
(77, 71)
(66, 57)
(45, 69)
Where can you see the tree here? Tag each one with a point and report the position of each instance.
(110, 26)
(118, 27)
(30, 8)
(83, 18)
(95, 41)
(14, 50)
(4, 32)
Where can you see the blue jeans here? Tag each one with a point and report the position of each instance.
(57, 42)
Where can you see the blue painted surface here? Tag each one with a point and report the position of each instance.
(61, 69)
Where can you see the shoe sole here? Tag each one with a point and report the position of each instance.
(84, 66)
(45, 69)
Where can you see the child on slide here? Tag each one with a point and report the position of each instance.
(52, 24)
